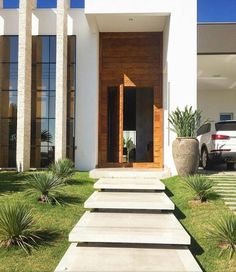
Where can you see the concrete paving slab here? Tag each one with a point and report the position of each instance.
(129, 201)
(129, 173)
(129, 184)
(135, 228)
(119, 259)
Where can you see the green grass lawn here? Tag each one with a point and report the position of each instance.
(60, 220)
(197, 220)
(57, 220)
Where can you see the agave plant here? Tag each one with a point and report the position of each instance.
(46, 184)
(200, 185)
(63, 169)
(224, 233)
(185, 123)
(17, 227)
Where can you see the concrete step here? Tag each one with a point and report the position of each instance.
(129, 173)
(129, 228)
(231, 203)
(229, 198)
(129, 184)
(120, 259)
(129, 201)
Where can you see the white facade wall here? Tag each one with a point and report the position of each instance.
(179, 66)
(212, 103)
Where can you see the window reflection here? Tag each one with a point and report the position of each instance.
(43, 101)
(8, 99)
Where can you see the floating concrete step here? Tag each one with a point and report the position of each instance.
(138, 228)
(120, 259)
(129, 173)
(129, 201)
(129, 184)
(231, 203)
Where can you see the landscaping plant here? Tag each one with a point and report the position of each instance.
(200, 185)
(129, 145)
(63, 169)
(46, 184)
(185, 123)
(224, 233)
(17, 226)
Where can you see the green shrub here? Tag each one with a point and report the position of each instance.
(201, 186)
(224, 233)
(185, 123)
(17, 226)
(63, 168)
(46, 184)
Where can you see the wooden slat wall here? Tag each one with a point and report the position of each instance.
(131, 59)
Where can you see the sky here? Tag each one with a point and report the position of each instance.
(208, 10)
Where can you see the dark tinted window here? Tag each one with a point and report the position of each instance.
(204, 129)
(8, 99)
(226, 126)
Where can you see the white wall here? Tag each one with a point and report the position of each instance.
(212, 38)
(179, 66)
(180, 51)
(212, 103)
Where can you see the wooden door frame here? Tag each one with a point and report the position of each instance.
(120, 81)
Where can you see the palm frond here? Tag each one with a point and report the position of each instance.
(17, 227)
(46, 184)
(63, 169)
(223, 232)
(200, 185)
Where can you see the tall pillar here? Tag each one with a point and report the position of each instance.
(1, 4)
(24, 85)
(61, 80)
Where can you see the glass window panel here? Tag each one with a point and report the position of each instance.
(13, 49)
(9, 135)
(52, 77)
(8, 102)
(53, 49)
(52, 132)
(8, 76)
(42, 77)
(39, 132)
(42, 105)
(4, 49)
(52, 101)
(42, 49)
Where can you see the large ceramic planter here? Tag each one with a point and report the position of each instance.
(186, 155)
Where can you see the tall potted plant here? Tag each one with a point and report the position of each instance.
(185, 147)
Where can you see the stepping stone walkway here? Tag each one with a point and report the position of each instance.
(130, 227)
(225, 187)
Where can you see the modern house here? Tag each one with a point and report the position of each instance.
(80, 82)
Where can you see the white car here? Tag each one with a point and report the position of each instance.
(217, 143)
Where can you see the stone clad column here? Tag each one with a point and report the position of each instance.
(1, 4)
(61, 80)
(24, 85)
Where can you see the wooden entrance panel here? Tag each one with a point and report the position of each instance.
(129, 60)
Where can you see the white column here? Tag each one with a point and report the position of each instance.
(24, 85)
(61, 80)
(1, 4)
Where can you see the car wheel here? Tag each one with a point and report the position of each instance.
(230, 166)
(206, 163)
